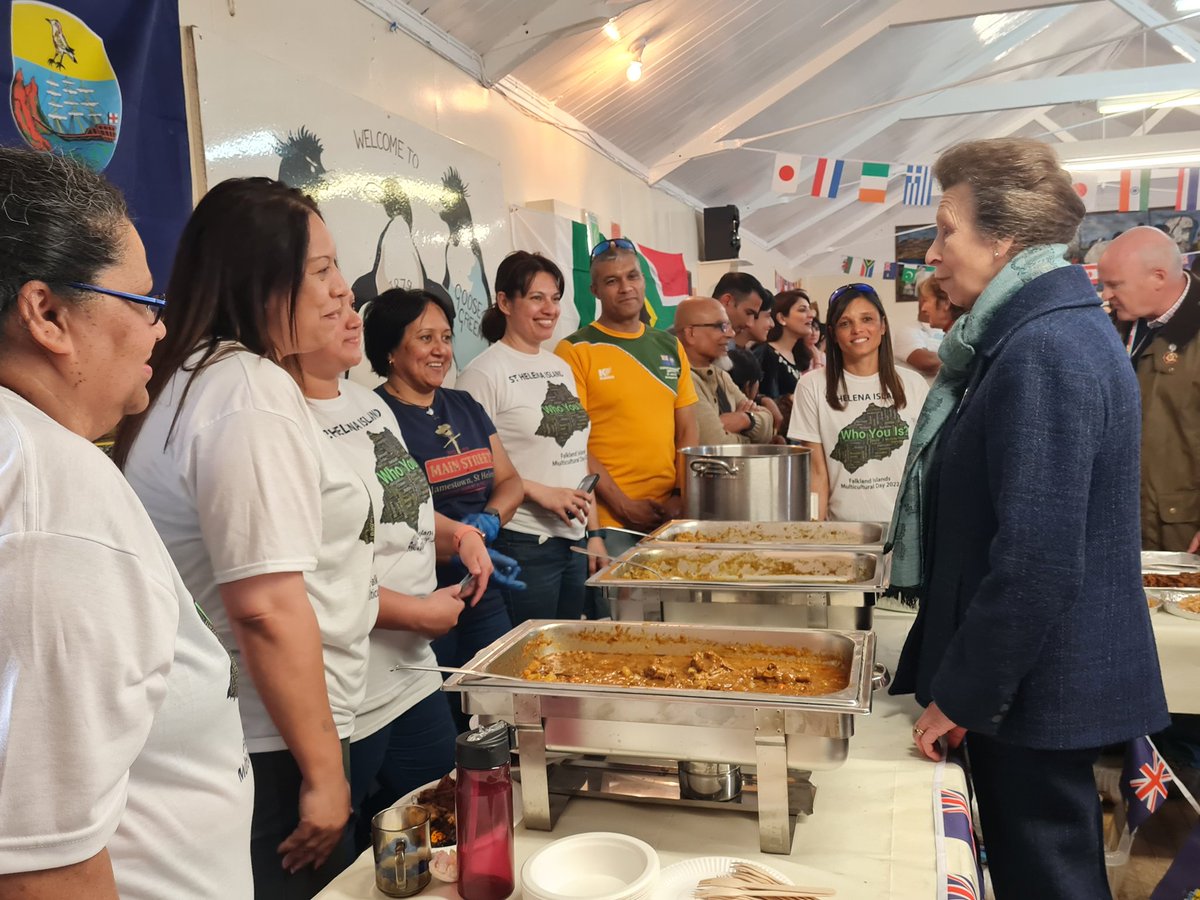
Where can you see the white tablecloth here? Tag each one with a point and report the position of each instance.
(872, 833)
(1179, 655)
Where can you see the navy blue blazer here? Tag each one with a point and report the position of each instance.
(1033, 627)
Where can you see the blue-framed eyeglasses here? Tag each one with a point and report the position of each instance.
(157, 302)
(852, 288)
(619, 243)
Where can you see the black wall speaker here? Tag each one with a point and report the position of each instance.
(721, 239)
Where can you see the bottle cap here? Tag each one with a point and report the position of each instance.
(483, 748)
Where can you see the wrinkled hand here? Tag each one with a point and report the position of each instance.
(324, 811)
(932, 725)
(485, 522)
(507, 571)
(642, 515)
(440, 611)
(599, 559)
(568, 504)
(1195, 544)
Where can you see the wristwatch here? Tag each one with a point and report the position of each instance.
(492, 511)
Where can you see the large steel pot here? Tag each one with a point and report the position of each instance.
(746, 482)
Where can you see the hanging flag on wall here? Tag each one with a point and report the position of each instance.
(787, 173)
(889, 270)
(1135, 190)
(872, 185)
(1088, 189)
(866, 268)
(847, 262)
(1186, 189)
(102, 82)
(827, 178)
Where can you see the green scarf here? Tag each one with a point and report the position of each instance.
(907, 536)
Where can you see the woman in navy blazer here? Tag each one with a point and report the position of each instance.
(1018, 526)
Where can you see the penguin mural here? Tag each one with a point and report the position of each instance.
(465, 278)
(397, 262)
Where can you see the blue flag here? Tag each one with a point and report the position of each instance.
(101, 80)
(1144, 781)
(1182, 880)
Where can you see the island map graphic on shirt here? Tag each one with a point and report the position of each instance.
(562, 414)
(404, 484)
(876, 434)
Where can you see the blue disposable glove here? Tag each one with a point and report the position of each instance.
(485, 522)
(506, 571)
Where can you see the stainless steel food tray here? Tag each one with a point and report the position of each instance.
(1166, 562)
(860, 535)
(782, 737)
(870, 569)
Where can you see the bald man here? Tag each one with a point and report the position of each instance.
(1142, 276)
(724, 414)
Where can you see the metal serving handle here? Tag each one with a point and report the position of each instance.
(713, 467)
(880, 677)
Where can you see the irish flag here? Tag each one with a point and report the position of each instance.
(872, 186)
(567, 243)
(1135, 190)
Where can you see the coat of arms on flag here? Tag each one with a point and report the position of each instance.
(918, 186)
(847, 262)
(889, 270)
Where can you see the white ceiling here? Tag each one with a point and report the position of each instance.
(727, 83)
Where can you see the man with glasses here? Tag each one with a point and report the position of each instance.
(723, 414)
(741, 295)
(636, 386)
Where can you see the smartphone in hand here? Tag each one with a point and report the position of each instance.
(466, 586)
(588, 484)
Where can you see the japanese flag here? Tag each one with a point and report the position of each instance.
(787, 173)
(1088, 189)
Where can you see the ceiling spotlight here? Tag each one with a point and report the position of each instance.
(611, 32)
(634, 72)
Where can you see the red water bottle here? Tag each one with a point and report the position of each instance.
(484, 813)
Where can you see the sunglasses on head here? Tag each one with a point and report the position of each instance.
(613, 243)
(852, 289)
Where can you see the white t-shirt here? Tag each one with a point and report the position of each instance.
(118, 723)
(865, 444)
(360, 425)
(246, 486)
(533, 401)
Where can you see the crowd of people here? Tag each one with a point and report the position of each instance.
(199, 644)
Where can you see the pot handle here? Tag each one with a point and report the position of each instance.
(880, 677)
(713, 467)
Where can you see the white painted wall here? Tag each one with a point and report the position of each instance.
(351, 48)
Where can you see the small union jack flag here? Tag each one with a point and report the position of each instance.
(960, 888)
(1144, 781)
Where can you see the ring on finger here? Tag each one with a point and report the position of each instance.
(917, 732)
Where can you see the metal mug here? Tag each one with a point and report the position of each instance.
(400, 839)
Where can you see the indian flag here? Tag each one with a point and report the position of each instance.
(872, 186)
(567, 243)
(1135, 190)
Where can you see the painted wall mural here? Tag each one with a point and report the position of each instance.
(408, 207)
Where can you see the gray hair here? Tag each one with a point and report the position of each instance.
(1019, 188)
(59, 222)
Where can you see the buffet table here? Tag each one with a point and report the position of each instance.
(875, 831)
(1179, 656)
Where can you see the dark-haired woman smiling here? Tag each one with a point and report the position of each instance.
(856, 413)
(264, 519)
(530, 395)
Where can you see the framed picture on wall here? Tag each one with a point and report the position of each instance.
(912, 242)
(1099, 228)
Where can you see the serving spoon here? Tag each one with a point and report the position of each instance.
(657, 574)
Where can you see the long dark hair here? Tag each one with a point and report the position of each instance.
(835, 367)
(781, 307)
(387, 317)
(513, 277)
(245, 245)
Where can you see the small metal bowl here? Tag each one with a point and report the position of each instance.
(709, 780)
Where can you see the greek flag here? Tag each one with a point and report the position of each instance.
(918, 186)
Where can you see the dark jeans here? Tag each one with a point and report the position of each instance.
(596, 605)
(477, 627)
(276, 814)
(1041, 821)
(413, 749)
(553, 576)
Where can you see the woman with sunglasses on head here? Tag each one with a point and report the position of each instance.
(530, 395)
(266, 521)
(408, 338)
(856, 414)
(120, 743)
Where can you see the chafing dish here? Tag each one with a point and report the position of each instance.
(798, 601)
(1165, 562)
(862, 535)
(777, 739)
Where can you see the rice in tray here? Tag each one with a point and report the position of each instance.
(733, 566)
